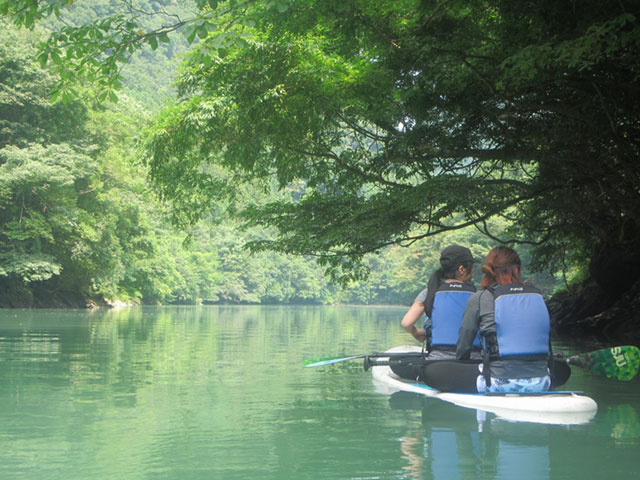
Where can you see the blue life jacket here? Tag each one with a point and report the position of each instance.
(443, 326)
(522, 322)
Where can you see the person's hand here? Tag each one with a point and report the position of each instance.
(411, 318)
(419, 334)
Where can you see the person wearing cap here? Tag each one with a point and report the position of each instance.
(513, 321)
(443, 302)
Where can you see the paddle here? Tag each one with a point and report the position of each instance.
(618, 363)
(319, 362)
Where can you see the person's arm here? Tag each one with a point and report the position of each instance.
(411, 317)
(468, 328)
(487, 323)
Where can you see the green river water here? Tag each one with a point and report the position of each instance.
(218, 392)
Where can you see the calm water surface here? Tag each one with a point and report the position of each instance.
(218, 392)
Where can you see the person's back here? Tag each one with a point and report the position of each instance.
(443, 303)
(513, 322)
(518, 346)
(443, 325)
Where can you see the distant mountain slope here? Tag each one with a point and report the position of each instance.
(148, 77)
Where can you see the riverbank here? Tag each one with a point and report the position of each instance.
(583, 312)
(589, 311)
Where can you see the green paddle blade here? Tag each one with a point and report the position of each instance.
(620, 363)
(318, 362)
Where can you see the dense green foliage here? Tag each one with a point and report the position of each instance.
(150, 71)
(410, 118)
(334, 129)
(77, 219)
(78, 222)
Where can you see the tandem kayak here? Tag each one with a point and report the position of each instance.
(565, 408)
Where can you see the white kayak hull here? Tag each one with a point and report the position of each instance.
(551, 407)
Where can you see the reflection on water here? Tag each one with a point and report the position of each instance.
(456, 443)
(464, 443)
(624, 422)
(219, 392)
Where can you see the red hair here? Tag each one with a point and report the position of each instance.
(502, 266)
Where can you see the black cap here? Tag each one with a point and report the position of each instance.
(455, 255)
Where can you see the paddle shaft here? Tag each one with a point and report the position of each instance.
(619, 363)
(405, 359)
(329, 361)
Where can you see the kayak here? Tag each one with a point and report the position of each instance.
(552, 407)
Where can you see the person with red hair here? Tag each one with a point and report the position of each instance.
(513, 321)
(514, 324)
